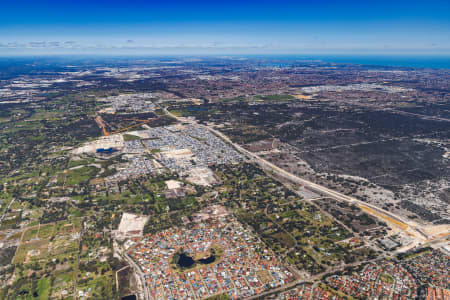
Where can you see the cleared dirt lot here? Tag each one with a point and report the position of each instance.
(131, 223)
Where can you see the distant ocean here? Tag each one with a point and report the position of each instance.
(413, 61)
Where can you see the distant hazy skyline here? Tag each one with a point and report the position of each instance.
(224, 27)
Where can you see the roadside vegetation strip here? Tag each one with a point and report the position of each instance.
(413, 254)
(384, 217)
(281, 97)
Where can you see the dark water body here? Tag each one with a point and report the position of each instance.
(59, 62)
(207, 260)
(186, 261)
(411, 61)
(131, 297)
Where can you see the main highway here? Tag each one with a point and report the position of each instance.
(143, 292)
(406, 225)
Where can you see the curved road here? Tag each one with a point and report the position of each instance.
(266, 165)
(144, 290)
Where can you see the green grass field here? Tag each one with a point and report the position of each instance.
(76, 163)
(40, 250)
(130, 137)
(387, 278)
(30, 233)
(77, 176)
(43, 289)
(46, 231)
(276, 97)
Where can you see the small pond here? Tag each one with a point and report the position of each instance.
(186, 261)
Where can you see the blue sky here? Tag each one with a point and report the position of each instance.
(203, 27)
